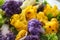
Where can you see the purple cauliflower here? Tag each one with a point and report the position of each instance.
(35, 27)
(12, 7)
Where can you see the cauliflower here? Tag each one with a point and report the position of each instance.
(51, 26)
(28, 3)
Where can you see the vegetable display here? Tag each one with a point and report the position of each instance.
(29, 20)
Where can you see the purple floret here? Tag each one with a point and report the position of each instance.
(34, 31)
(32, 37)
(10, 36)
(34, 23)
(2, 36)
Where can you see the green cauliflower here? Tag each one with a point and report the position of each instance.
(52, 36)
(2, 2)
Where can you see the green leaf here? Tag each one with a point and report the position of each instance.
(1, 20)
(2, 12)
(43, 37)
(58, 33)
(58, 17)
(13, 30)
(45, 2)
(37, 0)
(1, 16)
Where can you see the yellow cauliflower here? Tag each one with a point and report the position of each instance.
(55, 11)
(51, 26)
(20, 24)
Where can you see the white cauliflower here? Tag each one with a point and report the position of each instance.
(27, 3)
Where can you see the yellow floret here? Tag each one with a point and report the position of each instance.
(53, 10)
(47, 8)
(14, 18)
(30, 12)
(21, 34)
(17, 23)
(41, 17)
